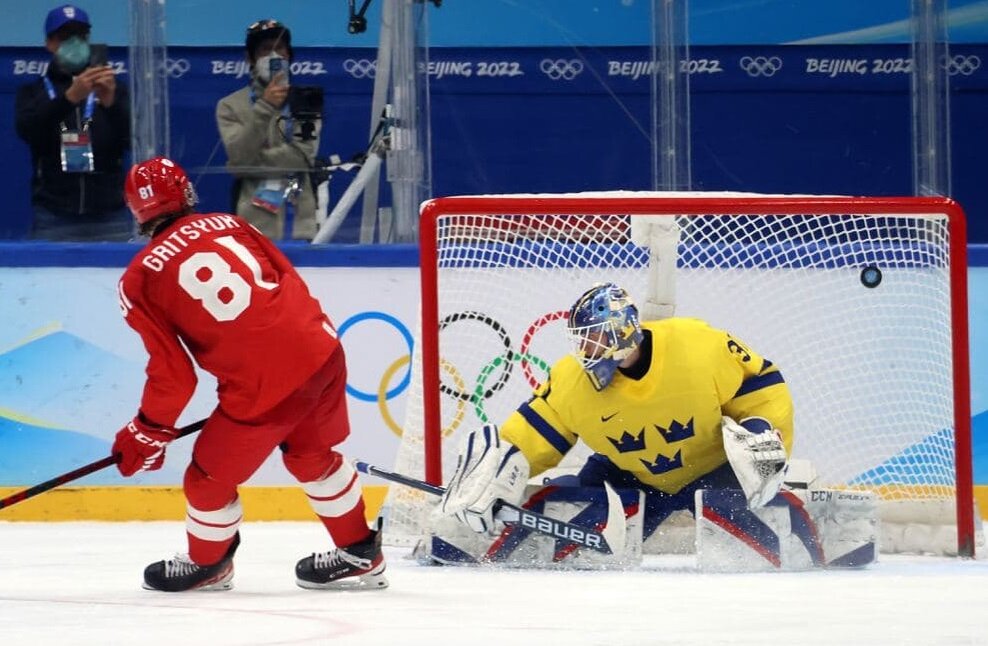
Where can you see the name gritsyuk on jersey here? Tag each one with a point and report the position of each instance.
(169, 246)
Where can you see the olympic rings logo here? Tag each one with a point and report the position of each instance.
(561, 69)
(756, 66)
(177, 67)
(502, 364)
(960, 64)
(491, 379)
(360, 68)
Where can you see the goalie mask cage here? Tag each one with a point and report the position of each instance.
(861, 302)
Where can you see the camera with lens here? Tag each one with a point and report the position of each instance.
(305, 101)
(305, 104)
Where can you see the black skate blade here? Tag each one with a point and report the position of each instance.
(212, 587)
(359, 583)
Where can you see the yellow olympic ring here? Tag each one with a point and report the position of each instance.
(382, 395)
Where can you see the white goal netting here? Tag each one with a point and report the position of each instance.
(851, 297)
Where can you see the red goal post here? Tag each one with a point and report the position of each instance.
(879, 372)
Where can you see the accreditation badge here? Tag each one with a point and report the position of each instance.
(77, 152)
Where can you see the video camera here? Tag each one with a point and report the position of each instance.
(305, 104)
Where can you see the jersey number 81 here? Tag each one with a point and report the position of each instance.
(223, 292)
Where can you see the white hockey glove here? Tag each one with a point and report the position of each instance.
(754, 449)
(488, 469)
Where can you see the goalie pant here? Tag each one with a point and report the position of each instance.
(658, 504)
(306, 427)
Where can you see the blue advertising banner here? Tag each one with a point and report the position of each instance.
(513, 70)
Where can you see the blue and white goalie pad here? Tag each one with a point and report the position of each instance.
(796, 530)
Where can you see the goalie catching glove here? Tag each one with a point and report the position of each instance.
(141, 446)
(756, 453)
(488, 470)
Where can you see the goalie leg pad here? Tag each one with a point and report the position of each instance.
(731, 536)
(797, 530)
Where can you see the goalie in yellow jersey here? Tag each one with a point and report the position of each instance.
(667, 407)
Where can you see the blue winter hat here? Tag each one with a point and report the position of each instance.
(61, 16)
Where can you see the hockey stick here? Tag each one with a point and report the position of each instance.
(92, 467)
(609, 540)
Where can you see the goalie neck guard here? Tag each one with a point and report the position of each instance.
(604, 328)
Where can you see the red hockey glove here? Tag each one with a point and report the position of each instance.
(141, 446)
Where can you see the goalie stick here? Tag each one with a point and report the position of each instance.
(75, 474)
(609, 540)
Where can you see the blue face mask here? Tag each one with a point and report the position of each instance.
(73, 55)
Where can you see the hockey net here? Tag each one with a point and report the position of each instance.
(860, 301)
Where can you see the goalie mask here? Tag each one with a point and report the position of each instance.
(604, 329)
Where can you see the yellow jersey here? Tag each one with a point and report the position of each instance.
(664, 427)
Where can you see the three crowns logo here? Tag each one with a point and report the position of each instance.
(677, 432)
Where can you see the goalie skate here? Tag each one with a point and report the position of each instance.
(357, 567)
(181, 573)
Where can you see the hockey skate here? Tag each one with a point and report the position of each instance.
(356, 567)
(181, 574)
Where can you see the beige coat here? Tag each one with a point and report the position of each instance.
(253, 134)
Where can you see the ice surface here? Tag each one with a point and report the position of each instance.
(79, 583)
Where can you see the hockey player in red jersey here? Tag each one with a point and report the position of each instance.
(213, 287)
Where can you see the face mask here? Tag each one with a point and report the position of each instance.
(73, 55)
(263, 67)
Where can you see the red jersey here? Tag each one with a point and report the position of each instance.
(212, 286)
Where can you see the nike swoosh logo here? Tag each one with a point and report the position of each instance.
(605, 418)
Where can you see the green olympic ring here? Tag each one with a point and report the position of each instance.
(479, 397)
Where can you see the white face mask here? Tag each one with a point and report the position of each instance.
(263, 67)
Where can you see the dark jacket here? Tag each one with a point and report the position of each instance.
(38, 119)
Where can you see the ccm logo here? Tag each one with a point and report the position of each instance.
(561, 530)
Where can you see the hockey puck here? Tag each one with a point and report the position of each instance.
(871, 277)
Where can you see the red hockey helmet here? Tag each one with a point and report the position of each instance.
(157, 187)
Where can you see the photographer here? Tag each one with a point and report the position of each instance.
(76, 120)
(269, 148)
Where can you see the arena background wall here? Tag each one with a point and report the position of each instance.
(534, 96)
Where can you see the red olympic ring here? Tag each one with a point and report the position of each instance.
(538, 324)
